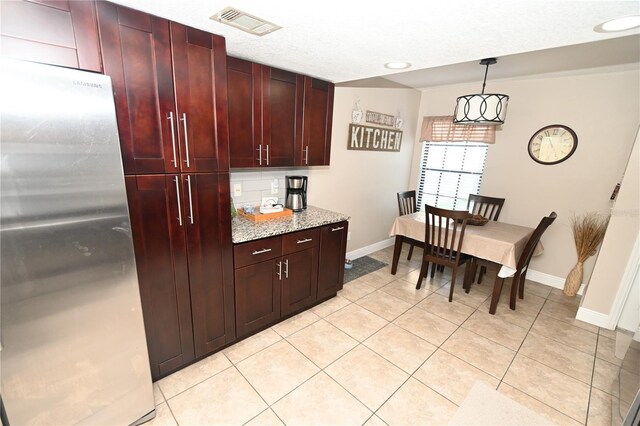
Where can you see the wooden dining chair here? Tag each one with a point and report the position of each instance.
(444, 232)
(489, 207)
(517, 285)
(407, 205)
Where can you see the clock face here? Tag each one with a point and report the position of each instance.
(553, 144)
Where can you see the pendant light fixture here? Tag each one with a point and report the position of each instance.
(484, 108)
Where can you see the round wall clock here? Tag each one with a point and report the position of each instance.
(553, 144)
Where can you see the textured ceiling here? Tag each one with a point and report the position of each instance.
(353, 39)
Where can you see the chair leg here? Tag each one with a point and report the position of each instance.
(440, 268)
(514, 290)
(433, 269)
(453, 282)
(483, 270)
(410, 251)
(521, 286)
(469, 273)
(423, 271)
(495, 297)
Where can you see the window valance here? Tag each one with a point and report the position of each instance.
(442, 129)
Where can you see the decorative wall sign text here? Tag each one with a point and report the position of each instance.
(369, 138)
(380, 118)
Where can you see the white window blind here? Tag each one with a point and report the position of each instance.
(449, 172)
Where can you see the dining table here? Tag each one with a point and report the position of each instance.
(498, 242)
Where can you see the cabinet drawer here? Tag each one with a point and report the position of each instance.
(300, 240)
(257, 251)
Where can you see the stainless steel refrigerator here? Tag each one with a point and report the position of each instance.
(73, 342)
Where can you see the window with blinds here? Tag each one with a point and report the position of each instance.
(449, 172)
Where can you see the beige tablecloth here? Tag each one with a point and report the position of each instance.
(498, 242)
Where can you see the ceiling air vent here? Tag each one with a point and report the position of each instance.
(244, 21)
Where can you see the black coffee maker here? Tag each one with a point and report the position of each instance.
(296, 199)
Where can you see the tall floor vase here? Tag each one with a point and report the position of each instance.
(574, 280)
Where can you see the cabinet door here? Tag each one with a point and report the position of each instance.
(318, 114)
(245, 112)
(282, 115)
(200, 75)
(333, 247)
(257, 289)
(52, 32)
(161, 261)
(207, 219)
(137, 56)
(299, 280)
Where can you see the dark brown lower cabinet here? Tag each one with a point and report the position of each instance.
(182, 238)
(279, 276)
(333, 249)
(257, 296)
(299, 270)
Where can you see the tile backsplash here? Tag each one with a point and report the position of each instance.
(256, 184)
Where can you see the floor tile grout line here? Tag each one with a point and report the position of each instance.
(593, 374)
(518, 352)
(199, 382)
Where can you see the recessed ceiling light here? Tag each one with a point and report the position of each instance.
(619, 24)
(397, 65)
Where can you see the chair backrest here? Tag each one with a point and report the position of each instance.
(444, 231)
(406, 202)
(525, 257)
(488, 207)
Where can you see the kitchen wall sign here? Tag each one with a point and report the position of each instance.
(380, 118)
(369, 138)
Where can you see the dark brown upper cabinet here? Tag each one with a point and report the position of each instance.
(281, 115)
(244, 82)
(170, 90)
(271, 121)
(52, 32)
(315, 149)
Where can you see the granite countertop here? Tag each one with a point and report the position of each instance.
(243, 229)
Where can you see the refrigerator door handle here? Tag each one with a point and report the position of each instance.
(173, 139)
(190, 200)
(175, 179)
(186, 138)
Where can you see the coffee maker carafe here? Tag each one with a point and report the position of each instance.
(296, 193)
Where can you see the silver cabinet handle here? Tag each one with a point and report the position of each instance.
(279, 273)
(190, 200)
(173, 139)
(286, 268)
(186, 138)
(175, 179)
(306, 154)
(267, 155)
(264, 250)
(306, 240)
(337, 228)
(259, 149)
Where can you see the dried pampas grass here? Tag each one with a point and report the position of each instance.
(588, 232)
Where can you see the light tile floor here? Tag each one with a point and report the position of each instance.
(382, 352)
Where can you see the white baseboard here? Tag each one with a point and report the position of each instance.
(533, 275)
(370, 248)
(550, 280)
(593, 317)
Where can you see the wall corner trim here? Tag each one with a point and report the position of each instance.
(593, 317)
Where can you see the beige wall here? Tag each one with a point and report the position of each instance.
(363, 184)
(602, 108)
(618, 242)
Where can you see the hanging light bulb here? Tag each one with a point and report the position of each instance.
(483, 108)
